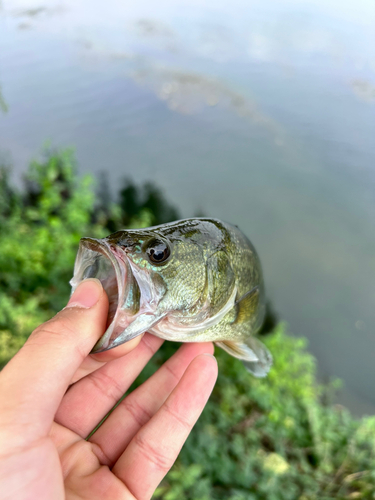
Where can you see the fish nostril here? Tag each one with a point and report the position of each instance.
(126, 244)
(120, 241)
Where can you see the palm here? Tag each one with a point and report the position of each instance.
(128, 456)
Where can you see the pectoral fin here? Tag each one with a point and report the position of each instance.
(261, 367)
(238, 350)
(255, 355)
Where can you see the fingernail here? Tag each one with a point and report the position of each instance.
(87, 294)
(209, 355)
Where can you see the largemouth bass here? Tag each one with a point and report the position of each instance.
(193, 280)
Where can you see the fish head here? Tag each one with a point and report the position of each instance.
(146, 275)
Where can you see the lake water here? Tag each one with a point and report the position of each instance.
(261, 113)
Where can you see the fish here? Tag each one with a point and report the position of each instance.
(191, 280)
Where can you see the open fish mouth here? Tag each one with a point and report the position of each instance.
(96, 259)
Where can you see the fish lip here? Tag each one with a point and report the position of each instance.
(120, 272)
(101, 246)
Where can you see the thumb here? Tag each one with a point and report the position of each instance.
(33, 383)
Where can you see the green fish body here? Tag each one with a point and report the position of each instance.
(193, 280)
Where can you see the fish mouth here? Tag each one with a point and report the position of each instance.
(97, 259)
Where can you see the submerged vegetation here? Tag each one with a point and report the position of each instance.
(273, 439)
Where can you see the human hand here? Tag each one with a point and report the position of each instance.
(43, 451)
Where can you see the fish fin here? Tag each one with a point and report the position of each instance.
(261, 367)
(254, 354)
(247, 305)
(238, 350)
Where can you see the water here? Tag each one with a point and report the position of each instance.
(261, 113)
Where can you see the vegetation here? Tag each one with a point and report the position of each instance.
(39, 233)
(275, 438)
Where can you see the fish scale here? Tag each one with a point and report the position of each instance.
(193, 280)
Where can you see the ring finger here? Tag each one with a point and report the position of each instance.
(142, 404)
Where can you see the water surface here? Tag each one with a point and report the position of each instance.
(261, 113)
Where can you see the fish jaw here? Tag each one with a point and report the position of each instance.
(95, 259)
(132, 299)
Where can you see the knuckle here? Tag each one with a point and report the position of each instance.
(108, 386)
(60, 330)
(159, 458)
(151, 342)
(59, 326)
(137, 411)
(182, 421)
(173, 374)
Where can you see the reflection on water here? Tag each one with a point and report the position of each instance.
(258, 113)
(153, 28)
(188, 93)
(37, 12)
(364, 90)
(34, 15)
(31, 12)
(3, 104)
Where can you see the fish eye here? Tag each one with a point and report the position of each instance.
(157, 251)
